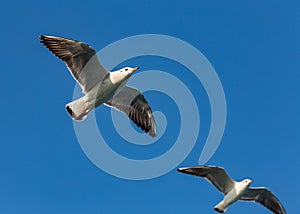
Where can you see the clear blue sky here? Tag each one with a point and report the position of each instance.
(254, 47)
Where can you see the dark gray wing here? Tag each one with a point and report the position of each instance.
(80, 58)
(135, 106)
(216, 175)
(264, 197)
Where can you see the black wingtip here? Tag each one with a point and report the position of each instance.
(69, 110)
(218, 210)
(180, 170)
(42, 39)
(141, 114)
(45, 38)
(152, 133)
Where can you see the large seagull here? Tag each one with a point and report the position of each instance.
(99, 85)
(233, 190)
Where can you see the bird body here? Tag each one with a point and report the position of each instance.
(233, 195)
(234, 191)
(99, 85)
(102, 92)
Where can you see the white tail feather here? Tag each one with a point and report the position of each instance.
(79, 109)
(220, 207)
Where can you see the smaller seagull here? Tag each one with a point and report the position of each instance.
(99, 85)
(234, 190)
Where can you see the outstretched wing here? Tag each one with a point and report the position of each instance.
(264, 197)
(216, 175)
(135, 106)
(80, 58)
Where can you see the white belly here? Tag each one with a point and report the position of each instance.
(233, 195)
(103, 92)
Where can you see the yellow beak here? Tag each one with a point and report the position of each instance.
(134, 69)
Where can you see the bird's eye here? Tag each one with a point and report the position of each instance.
(126, 69)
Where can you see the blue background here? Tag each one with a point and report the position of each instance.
(253, 46)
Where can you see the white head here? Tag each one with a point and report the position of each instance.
(122, 75)
(247, 182)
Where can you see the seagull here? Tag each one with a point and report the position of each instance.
(234, 190)
(98, 85)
